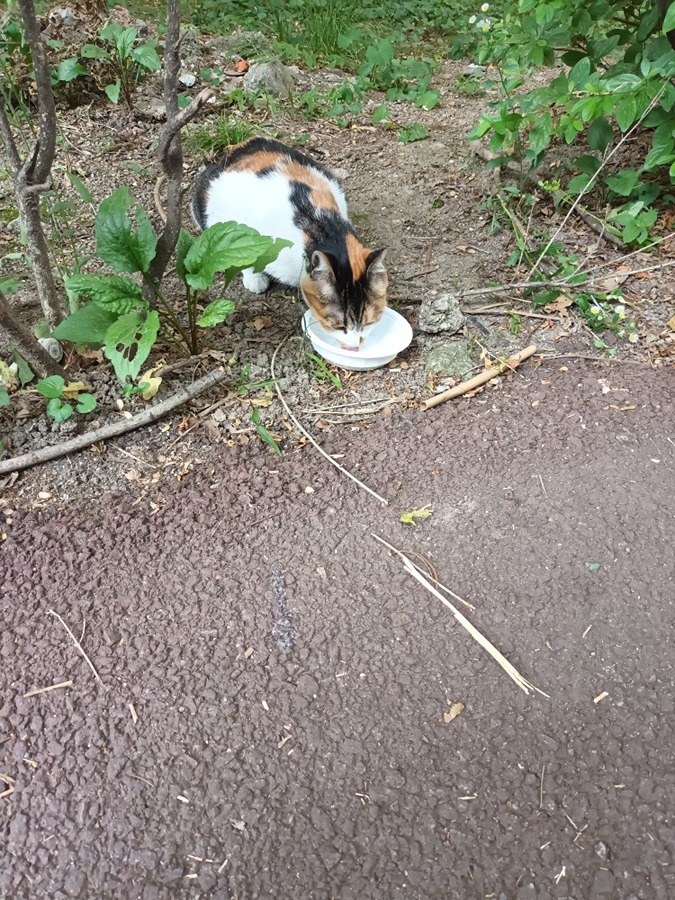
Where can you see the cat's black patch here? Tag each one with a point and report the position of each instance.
(268, 145)
(200, 193)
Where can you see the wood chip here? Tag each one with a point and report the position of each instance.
(455, 710)
(238, 824)
(248, 653)
(600, 697)
(10, 785)
(265, 706)
(134, 714)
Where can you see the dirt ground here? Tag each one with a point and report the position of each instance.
(271, 718)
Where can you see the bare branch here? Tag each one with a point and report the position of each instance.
(46, 106)
(8, 140)
(181, 120)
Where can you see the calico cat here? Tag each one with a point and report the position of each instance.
(286, 194)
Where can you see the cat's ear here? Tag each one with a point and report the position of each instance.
(375, 262)
(320, 268)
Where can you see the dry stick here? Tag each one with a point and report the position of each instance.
(593, 178)
(510, 670)
(610, 262)
(309, 436)
(152, 414)
(51, 687)
(76, 642)
(480, 379)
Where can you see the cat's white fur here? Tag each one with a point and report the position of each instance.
(264, 204)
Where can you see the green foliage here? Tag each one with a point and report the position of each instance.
(119, 317)
(619, 75)
(53, 389)
(215, 137)
(264, 434)
(4, 397)
(414, 132)
(321, 371)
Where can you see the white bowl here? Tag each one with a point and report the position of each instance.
(382, 341)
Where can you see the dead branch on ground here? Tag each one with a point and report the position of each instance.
(480, 379)
(152, 414)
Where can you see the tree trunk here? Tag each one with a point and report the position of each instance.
(21, 340)
(29, 210)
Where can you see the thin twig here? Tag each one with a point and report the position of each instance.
(510, 670)
(50, 687)
(309, 436)
(76, 642)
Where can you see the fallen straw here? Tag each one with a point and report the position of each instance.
(510, 670)
(480, 379)
(77, 643)
(50, 687)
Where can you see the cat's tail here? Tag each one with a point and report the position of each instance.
(200, 194)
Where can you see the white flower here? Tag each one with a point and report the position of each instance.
(483, 25)
(596, 311)
(472, 20)
(633, 338)
(621, 332)
(620, 311)
(485, 7)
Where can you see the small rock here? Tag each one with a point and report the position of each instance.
(64, 15)
(601, 850)
(154, 108)
(187, 79)
(440, 313)
(453, 359)
(472, 70)
(269, 77)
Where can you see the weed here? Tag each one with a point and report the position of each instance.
(119, 316)
(321, 371)
(214, 138)
(414, 132)
(54, 389)
(263, 433)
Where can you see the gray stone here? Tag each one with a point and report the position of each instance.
(440, 312)
(243, 43)
(270, 78)
(453, 359)
(187, 79)
(153, 108)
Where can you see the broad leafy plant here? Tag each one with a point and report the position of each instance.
(618, 75)
(124, 313)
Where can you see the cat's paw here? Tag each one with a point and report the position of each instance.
(256, 282)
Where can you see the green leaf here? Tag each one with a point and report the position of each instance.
(380, 113)
(86, 325)
(25, 373)
(263, 433)
(215, 313)
(51, 387)
(129, 340)
(114, 293)
(70, 69)
(540, 133)
(408, 518)
(592, 567)
(113, 91)
(600, 133)
(579, 73)
(146, 56)
(414, 132)
(228, 247)
(381, 53)
(427, 99)
(86, 403)
(123, 250)
(80, 187)
(4, 397)
(91, 51)
(625, 112)
(185, 242)
(669, 20)
(624, 183)
(59, 411)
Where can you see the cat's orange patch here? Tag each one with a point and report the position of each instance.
(321, 195)
(256, 162)
(358, 257)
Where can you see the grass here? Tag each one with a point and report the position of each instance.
(215, 137)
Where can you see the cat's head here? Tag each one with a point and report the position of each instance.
(346, 294)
